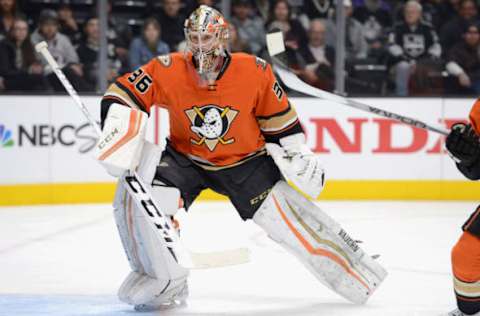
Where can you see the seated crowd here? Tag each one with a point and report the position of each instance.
(402, 48)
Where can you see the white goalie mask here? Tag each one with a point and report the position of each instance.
(206, 33)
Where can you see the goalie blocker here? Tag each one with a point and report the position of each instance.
(122, 139)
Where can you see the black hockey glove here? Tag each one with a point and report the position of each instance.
(463, 144)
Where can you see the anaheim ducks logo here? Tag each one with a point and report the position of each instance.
(211, 123)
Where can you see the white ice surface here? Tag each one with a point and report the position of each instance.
(68, 260)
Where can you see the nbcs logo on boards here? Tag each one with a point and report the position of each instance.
(6, 140)
(46, 135)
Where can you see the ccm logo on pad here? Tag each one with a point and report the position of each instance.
(107, 139)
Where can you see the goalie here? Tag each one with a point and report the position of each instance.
(226, 111)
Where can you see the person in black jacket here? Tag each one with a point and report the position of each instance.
(410, 42)
(463, 144)
(88, 54)
(18, 64)
(171, 21)
(8, 13)
(463, 61)
(293, 32)
(68, 25)
(452, 31)
(317, 58)
(375, 19)
(318, 9)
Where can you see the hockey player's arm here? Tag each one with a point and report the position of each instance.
(285, 139)
(124, 111)
(463, 144)
(135, 90)
(464, 147)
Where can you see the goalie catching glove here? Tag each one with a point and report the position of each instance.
(298, 164)
(121, 143)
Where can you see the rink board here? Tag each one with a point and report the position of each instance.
(46, 150)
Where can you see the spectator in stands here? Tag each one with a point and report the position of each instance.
(447, 10)
(18, 63)
(431, 12)
(68, 25)
(250, 28)
(119, 36)
(190, 5)
(318, 57)
(171, 22)
(8, 12)
(210, 3)
(409, 43)
(375, 20)
(385, 4)
(317, 9)
(61, 49)
(236, 44)
(88, 54)
(463, 61)
(2, 84)
(355, 44)
(294, 34)
(451, 32)
(264, 7)
(296, 7)
(147, 46)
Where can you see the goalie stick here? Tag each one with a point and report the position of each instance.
(276, 47)
(143, 197)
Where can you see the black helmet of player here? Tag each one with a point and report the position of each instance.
(206, 33)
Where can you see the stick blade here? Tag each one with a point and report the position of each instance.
(41, 46)
(220, 258)
(275, 43)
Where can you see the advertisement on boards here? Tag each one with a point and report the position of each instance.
(47, 139)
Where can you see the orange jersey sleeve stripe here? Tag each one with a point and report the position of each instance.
(467, 289)
(282, 130)
(114, 91)
(278, 123)
(116, 100)
(137, 101)
(463, 298)
(317, 251)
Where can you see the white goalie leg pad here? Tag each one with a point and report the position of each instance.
(123, 204)
(156, 277)
(319, 243)
(122, 139)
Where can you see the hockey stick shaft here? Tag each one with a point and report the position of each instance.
(293, 82)
(144, 199)
(42, 48)
(276, 46)
(133, 183)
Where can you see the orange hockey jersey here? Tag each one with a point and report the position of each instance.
(217, 126)
(475, 117)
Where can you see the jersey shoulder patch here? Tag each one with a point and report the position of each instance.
(261, 63)
(165, 60)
